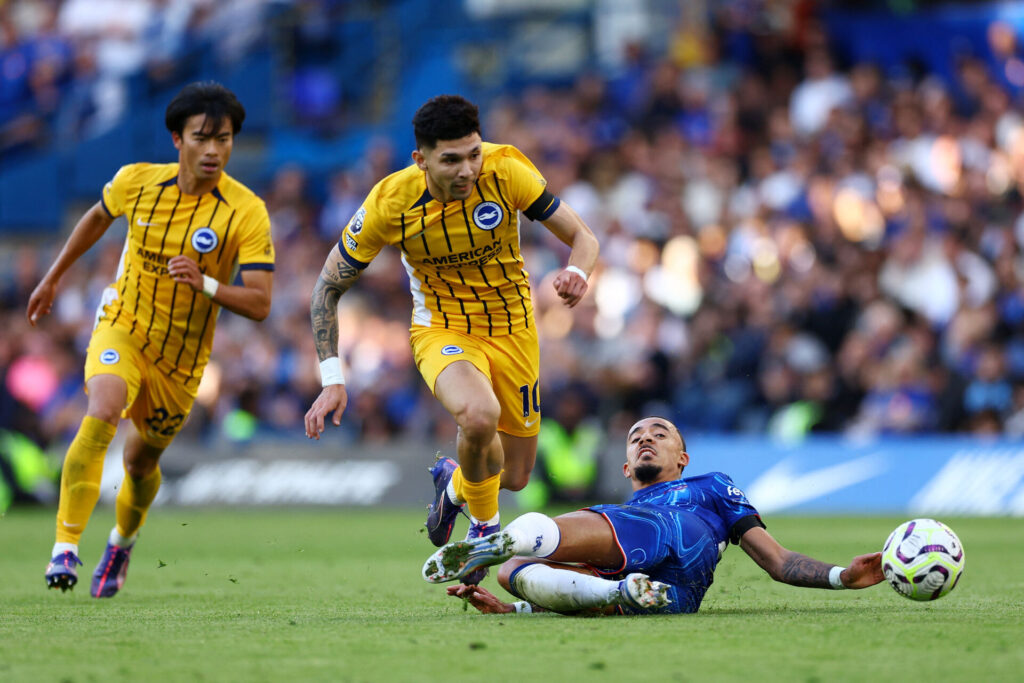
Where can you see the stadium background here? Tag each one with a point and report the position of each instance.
(810, 216)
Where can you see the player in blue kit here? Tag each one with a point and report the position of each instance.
(655, 553)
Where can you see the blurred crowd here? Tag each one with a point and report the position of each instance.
(67, 67)
(791, 243)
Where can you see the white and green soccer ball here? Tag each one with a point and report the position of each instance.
(923, 559)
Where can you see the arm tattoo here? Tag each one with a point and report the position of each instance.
(335, 279)
(800, 570)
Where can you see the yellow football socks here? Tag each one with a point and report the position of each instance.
(133, 501)
(481, 496)
(81, 476)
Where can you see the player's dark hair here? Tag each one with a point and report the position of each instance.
(206, 97)
(445, 117)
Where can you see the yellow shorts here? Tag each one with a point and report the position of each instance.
(156, 404)
(511, 362)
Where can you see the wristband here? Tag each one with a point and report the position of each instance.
(330, 372)
(210, 286)
(835, 578)
(578, 271)
(523, 607)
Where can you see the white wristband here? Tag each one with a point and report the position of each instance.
(835, 577)
(330, 372)
(210, 286)
(578, 271)
(523, 607)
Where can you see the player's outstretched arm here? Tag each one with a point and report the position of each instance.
(87, 231)
(567, 226)
(251, 299)
(799, 570)
(335, 279)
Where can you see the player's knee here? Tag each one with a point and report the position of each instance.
(105, 411)
(506, 570)
(514, 481)
(139, 469)
(478, 422)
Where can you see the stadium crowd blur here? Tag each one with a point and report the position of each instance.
(791, 243)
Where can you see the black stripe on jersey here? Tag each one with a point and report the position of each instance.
(543, 207)
(423, 233)
(501, 296)
(156, 283)
(184, 338)
(401, 217)
(256, 266)
(516, 284)
(444, 229)
(490, 327)
(192, 305)
(181, 250)
(426, 281)
(124, 288)
(224, 240)
(508, 211)
(469, 227)
(199, 340)
(145, 234)
(128, 265)
(462, 306)
(104, 205)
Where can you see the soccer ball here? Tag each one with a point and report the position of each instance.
(922, 559)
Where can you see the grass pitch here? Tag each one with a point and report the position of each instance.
(335, 595)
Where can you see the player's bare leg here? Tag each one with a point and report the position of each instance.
(81, 475)
(466, 394)
(138, 489)
(520, 454)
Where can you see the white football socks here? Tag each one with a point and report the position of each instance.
(120, 541)
(452, 496)
(563, 590)
(59, 548)
(534, 535)
(493, 521)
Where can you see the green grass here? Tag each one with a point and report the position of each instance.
(297, 595)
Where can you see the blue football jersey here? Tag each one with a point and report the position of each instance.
(676, 531)
(714, 497)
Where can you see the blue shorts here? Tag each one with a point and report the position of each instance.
(669, 544)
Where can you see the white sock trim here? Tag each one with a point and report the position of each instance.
(496, 519)
(534, 535)
(452, 496)
(120, 541)
(59, 548)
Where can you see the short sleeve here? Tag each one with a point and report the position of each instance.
(255, 247)
(366, 233)
(521, 178)
(115, 191)
(733, 507)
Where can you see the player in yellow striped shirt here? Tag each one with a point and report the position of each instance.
(454, 214)
(191, 228)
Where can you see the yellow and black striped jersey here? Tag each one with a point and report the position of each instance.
(225, 231)
(462, 257)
